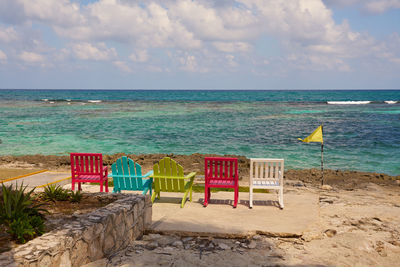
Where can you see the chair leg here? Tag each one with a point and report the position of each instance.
(101, 186)
(79, 187)
(209, 194)
(106, 182)
(153, 196)
(184, 199)
(206, 197)
(73, 186)
(190, 195)
(158, 196)
(281, 198)
(236, 197)
(251, 197)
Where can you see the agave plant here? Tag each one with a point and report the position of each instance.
(20, 214)
(75, 196)
(55, 192)
(15, 203)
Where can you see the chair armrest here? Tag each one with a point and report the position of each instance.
(149, 174)
(190, 177)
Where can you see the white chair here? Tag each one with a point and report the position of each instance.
(266, 174)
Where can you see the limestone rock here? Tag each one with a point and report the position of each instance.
(152, 245)
(223, 246)
(257, 237)
(187, 239)
(166, 240)
(330, 232)
(178, 244)
(326, 187)
(252, 244)
(99, 263)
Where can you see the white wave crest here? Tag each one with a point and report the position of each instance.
(348, 102)
(45, 99)
(390, 102)
(94, 101)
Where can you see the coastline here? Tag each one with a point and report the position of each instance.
(343, 179)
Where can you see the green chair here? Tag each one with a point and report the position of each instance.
(168, 177)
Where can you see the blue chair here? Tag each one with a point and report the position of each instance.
(127, 175)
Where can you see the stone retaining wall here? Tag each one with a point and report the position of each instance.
(90, 237)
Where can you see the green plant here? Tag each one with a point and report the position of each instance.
(55, 192)
(20, 214)
(15, 203)
(75, 196)
(21, 229)
(37, 223)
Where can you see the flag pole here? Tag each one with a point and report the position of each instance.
(322, 158)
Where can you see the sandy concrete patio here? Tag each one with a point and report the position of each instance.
(301, 213)
(41, 179)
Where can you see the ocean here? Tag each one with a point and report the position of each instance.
(361, 128)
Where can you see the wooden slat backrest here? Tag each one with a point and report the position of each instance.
(126, 167)
(86, 163)
(266, 169)
(168, 176)
(221, 168)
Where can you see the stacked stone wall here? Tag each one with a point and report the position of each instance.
(90, 237)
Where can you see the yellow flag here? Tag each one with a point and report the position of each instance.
(316, 136)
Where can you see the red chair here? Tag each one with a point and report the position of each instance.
(88, 167)
(222, 173)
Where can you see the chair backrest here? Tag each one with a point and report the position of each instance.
(217, 168)
(266, 169)
(131, 171)
(86, 163)
(168, 176)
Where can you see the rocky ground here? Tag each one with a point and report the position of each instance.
(360, 227)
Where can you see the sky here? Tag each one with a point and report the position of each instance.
(209, 44)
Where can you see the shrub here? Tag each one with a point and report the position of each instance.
(21, 229)
(75, 196)
(19, 214)
(55, 192)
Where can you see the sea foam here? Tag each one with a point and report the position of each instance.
(348, 102)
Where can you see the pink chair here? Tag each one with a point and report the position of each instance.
(88, 167)
(222, 173)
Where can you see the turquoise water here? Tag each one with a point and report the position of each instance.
(362, 137)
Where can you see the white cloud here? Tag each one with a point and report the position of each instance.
(379, 7)
(232, 47)
(87, 51)
(371, 6)
(31, 57)
(8, 35)
(189, 63)
(122, 66)
(3, 57)
(209, 35)
(140, 56)
(59, 12)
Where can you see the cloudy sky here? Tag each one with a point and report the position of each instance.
(209, 44)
